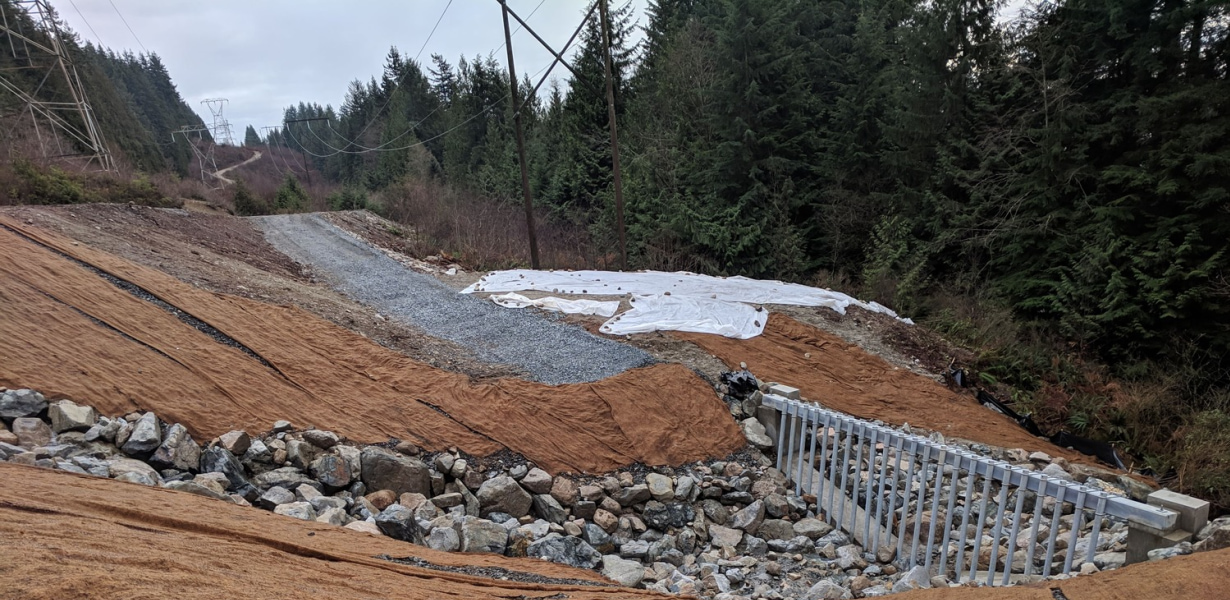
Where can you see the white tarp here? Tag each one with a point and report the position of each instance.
(572, 307)
(681, 284)
(699, 315)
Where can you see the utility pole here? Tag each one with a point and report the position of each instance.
(525, 174)
(610, 105)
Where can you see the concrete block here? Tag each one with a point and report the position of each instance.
(784, 391)
(1141, 539)
(1193, 512)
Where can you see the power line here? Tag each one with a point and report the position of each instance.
(364, 149)
(433, 30)
(397, 83)
(87, 22)
(134, 34)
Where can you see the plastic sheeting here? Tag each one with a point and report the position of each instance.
(551, 303)
(676, 313)
(680, 284)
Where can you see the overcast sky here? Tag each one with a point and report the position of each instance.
(263, 55)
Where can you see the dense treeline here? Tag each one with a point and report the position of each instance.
(132, 95)
(1070, 164)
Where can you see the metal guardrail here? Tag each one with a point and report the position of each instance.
(927, 465)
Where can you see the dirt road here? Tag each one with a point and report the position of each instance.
(550, 351)
(256, 155)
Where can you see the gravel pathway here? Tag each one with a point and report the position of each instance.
(550, 351)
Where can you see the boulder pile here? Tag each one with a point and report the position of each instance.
(725, 529)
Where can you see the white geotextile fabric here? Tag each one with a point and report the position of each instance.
(699, 315)
(681, 284)
(572, 307)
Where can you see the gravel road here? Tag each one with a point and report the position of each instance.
(550, 351)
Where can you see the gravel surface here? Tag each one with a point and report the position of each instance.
(548, 350)
(493, 573)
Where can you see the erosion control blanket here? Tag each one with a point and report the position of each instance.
(553, 304)
(844, 377)
(70, 332)
(74, 536)
(677, 313)
(710, 313)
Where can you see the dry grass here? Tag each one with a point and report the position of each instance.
(482, 233)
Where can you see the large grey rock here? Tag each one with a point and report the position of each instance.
(398, 522)
(685, 489)
(665, 516)
(177, 451)
(660, 487)
(384, 470)
(321, 439)
(481, 535)
(236, 442)
(275, 497)
(755, 433)
(1056, 472)
(827, 590)
(119, 466)
(300, 454)
(775, 529)
(914, 579)
(627, 573)
(750, 518)
(504, 494)
(596, 537)
(632, 495)
(537, 481)
(105, 430)
(724, 537)
(217, 460)
(286, 477)
(197, 489)
(812, 528)
(15, 404)
(332, 515)
(564, 490)
(67, 415)
(444, 539)
(146, 436)
(298, 510)
(565, 550)
(332, 471)
(549, 508)
(31, 432)
(850, 556)
(138, 478)
(634, 549)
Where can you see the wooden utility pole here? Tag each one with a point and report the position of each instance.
(525, 173)
(610, 105)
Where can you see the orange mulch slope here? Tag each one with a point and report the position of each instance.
(844, 377)
(71, 333)
(73, 536)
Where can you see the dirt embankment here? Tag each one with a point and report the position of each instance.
(844, 377)
(73, 536)
(72, 333)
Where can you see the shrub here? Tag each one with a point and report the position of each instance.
(246, 203)
(291, 197)
(1204, 457)
(348, 199)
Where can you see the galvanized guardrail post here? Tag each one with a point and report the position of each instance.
(851, 449)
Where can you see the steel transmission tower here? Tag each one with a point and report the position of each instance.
(45, 81)
(221, 129)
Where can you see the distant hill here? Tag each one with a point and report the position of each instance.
(134, 100)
